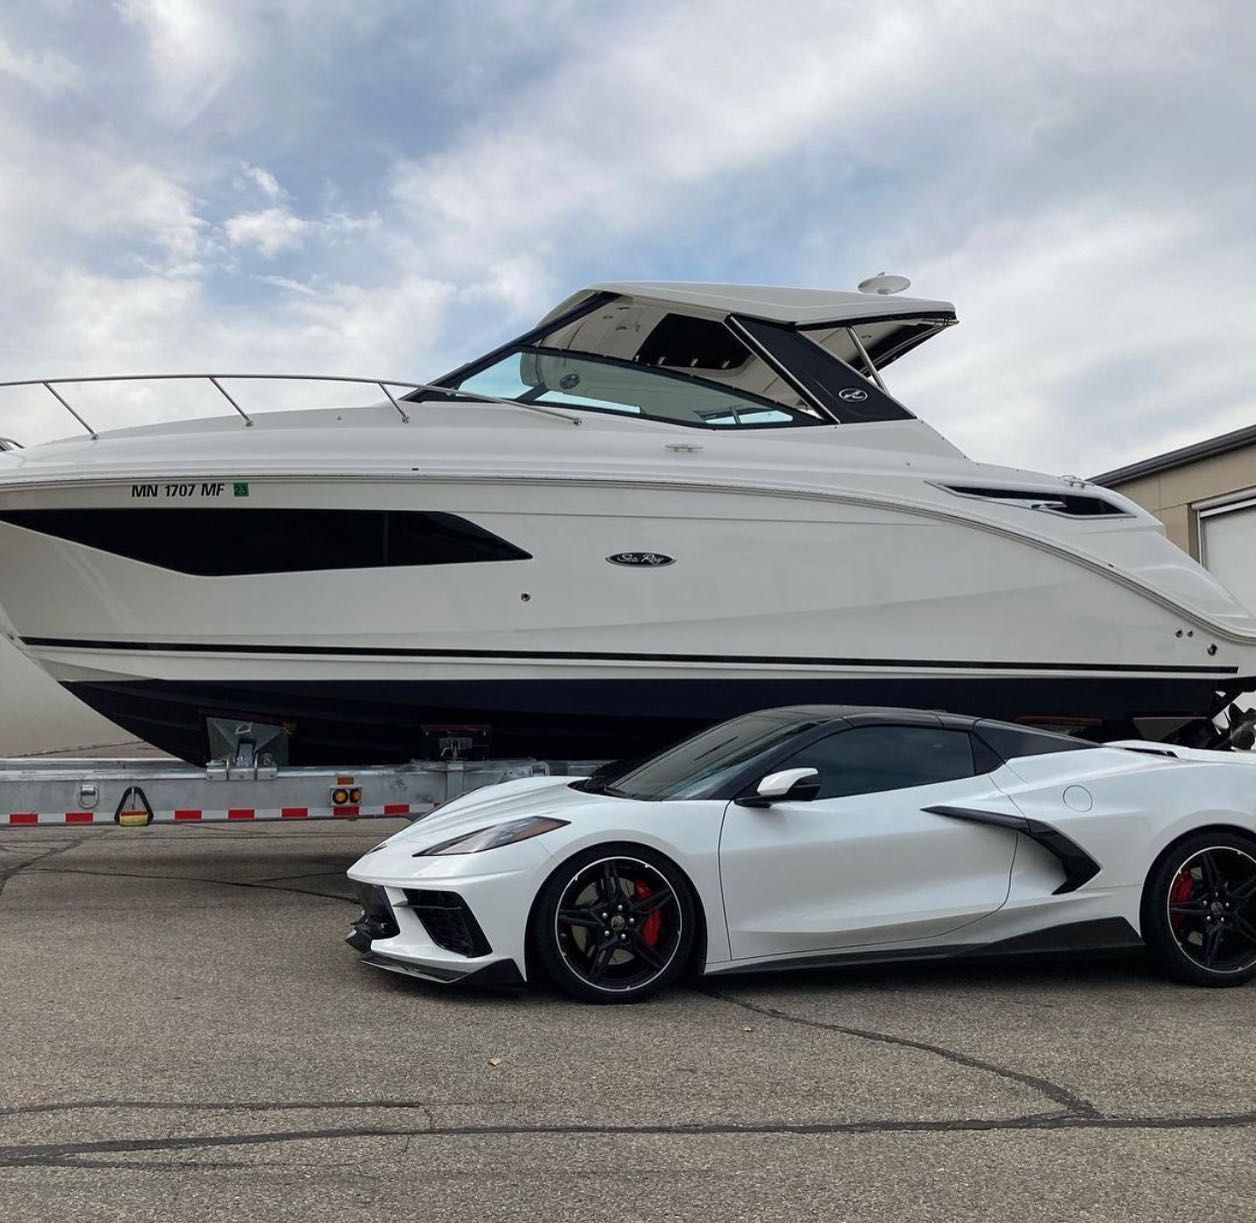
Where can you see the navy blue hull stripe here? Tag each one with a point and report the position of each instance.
(329, 651)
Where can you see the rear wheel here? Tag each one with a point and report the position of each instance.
(615, 924)
(1199, 909)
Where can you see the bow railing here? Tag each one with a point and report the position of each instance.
(216, 380)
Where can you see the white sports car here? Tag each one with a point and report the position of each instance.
(826, 835)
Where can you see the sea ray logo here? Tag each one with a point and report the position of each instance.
(641, 560)
(852, 394)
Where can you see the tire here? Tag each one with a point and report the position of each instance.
(616, 923)
(1199, 909)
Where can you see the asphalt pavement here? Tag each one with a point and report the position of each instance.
(185, 1036)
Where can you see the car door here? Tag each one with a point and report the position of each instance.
(864, 862)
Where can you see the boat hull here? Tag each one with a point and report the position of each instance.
(568, 644)
(334, 722)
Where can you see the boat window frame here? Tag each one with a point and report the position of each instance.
(828, 413)
(476, 364)
(760, 334)
(880, 360)
(802, 420)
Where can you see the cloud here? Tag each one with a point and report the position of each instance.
(193, 49)
(45, 71)
(270, 231)
(265, 181)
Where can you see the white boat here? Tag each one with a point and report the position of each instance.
(666, 505)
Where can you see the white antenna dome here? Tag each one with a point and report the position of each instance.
(883, 284)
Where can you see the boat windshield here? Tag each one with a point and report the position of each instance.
(563, 379)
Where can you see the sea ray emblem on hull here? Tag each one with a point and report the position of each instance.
(641, 560)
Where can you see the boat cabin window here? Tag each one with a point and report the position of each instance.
(567, 380)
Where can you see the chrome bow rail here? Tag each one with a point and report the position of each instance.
(383, 384)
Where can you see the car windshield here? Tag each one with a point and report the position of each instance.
(565, 380)
(700, 767)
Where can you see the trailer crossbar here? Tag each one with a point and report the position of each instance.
(128, 793)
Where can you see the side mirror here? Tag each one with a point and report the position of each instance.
(789, 785)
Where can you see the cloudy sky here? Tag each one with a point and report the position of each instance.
(385, 187)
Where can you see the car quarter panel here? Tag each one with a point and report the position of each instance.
(1124, 808)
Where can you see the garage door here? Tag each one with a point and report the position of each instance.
(1227, 538)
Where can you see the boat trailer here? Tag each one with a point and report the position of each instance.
(248, 786)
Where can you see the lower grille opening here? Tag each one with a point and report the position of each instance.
(377, 920)
(449, 922)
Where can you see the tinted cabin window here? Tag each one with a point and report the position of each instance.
(224, 542)
(871, 759)
(1011, 741)
(692, 343)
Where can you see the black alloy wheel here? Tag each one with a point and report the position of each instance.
(1199, 909)
(615, 924)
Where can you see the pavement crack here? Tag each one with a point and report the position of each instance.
(72, 1154)
(1074, 1106)
(30, 864)
(229, 1106)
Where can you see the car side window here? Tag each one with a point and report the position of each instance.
(871, 759)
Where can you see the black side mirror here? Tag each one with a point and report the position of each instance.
(789, 785)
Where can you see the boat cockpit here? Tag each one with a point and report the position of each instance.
(709, 356)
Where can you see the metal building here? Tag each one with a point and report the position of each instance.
(1205, 495)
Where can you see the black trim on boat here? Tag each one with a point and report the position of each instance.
(237, 541)
(824, 379)
(369, 721)
(768, 660)
(1050, 501)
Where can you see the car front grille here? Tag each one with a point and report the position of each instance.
(449, 922)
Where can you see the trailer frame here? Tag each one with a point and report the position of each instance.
(38, 792)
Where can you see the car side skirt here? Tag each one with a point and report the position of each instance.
(1098, 935)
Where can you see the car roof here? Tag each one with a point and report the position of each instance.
(855, 714)
(1013, 738)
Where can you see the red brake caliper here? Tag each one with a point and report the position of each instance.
(1179, 893)
(652, 927)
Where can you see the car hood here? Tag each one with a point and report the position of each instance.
(512, 800)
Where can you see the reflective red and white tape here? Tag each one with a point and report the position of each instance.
(192, 815)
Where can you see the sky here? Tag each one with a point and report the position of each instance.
(384, 189)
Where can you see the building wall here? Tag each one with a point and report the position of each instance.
(1174, 495)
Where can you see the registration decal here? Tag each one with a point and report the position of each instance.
(185, 489)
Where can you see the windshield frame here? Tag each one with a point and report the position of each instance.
(722, 783)
(820, 396)
(800, 418)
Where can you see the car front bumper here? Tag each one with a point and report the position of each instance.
(447, 920)
(496, 974)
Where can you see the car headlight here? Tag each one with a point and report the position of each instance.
(495, 835)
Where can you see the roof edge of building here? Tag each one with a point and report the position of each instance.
(1206, 449)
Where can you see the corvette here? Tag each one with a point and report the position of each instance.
(817, 836)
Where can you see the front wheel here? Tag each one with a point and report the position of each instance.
(1199, 909)
(615, 924)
